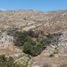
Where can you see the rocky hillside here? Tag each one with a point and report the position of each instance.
(52, 21)
(53, 24)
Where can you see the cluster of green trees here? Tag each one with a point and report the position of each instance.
(33, 44)
(8, 62)
(28, 43)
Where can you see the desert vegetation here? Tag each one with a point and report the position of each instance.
(8, 62)
(28, 34)
(34, 42)
(31, 43)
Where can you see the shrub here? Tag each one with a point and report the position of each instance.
(63, 65)
(33, 33)
(26, 42)
(32, 48)
(7, 62)
(54, 38)
(21, 38)
(32, 44)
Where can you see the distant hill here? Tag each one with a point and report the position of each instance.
(51, 21)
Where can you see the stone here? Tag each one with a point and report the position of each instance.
(35, 66)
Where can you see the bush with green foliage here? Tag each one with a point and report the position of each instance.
(35, 45)
(8, 62)
(21, 38)
(32, 48)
